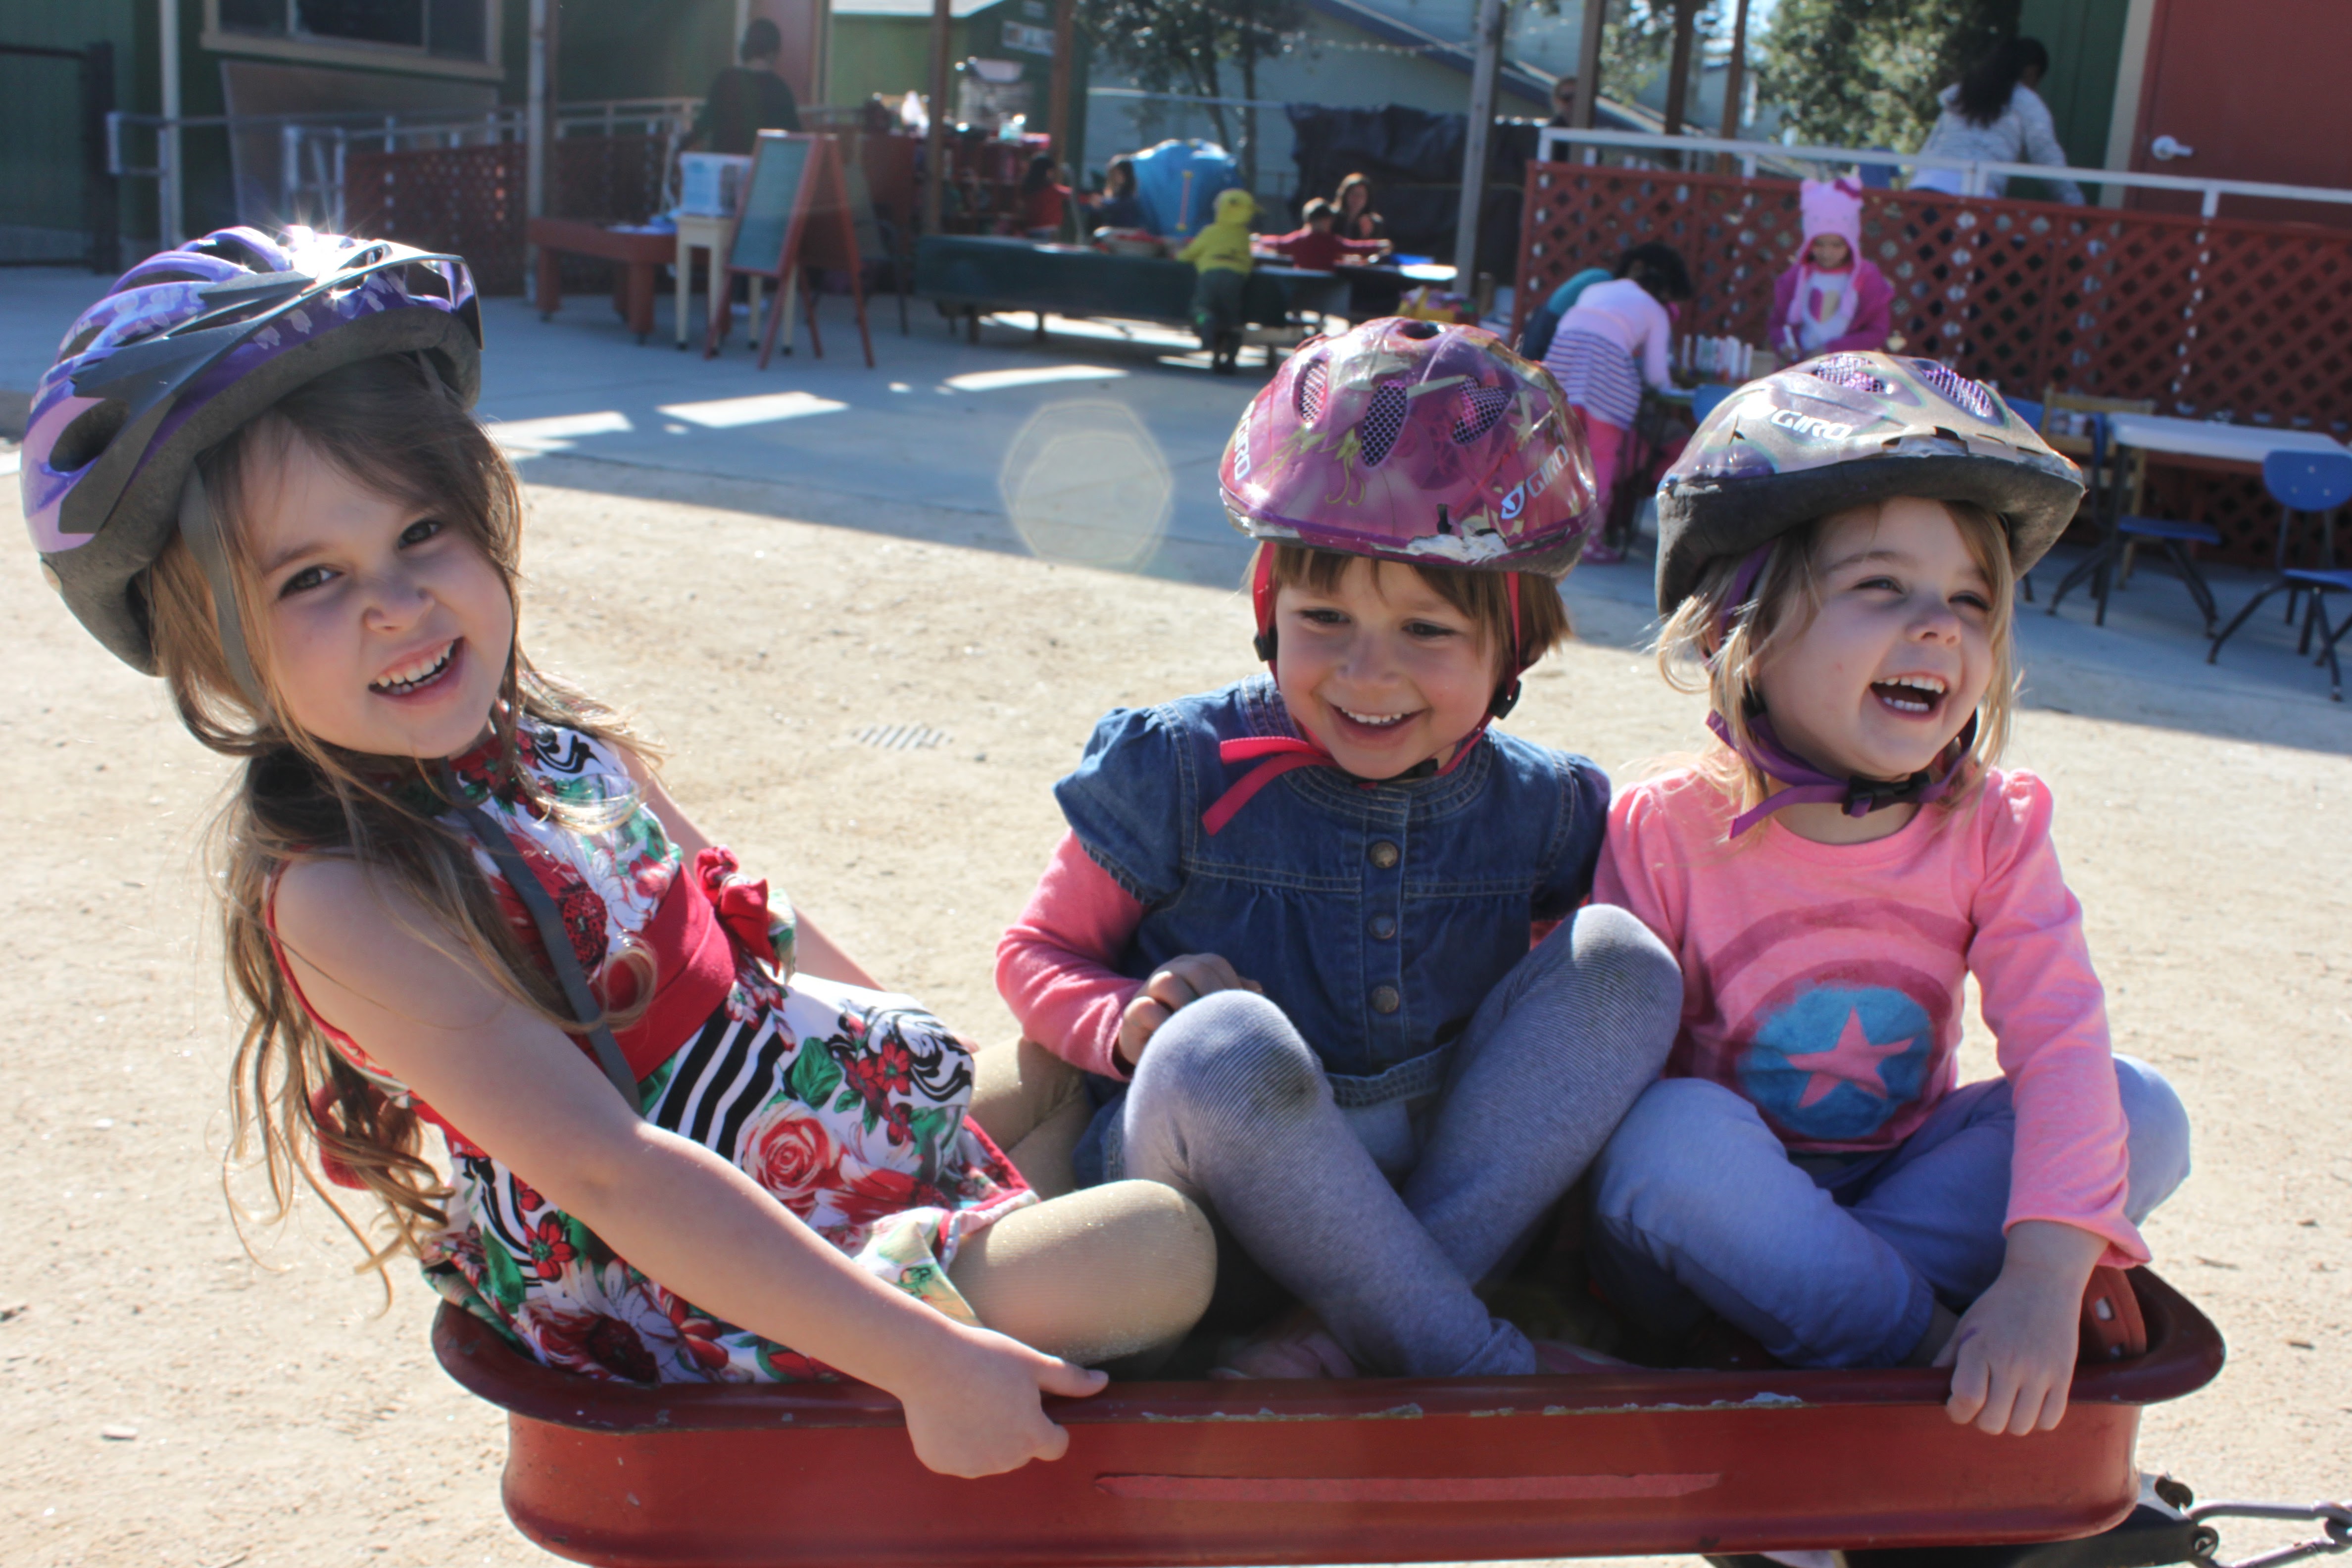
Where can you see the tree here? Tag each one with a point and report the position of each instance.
(1866, 73)
(1175, 46)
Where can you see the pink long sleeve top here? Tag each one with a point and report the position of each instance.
(1871, 323)
(1054, 963)
(1824, 982)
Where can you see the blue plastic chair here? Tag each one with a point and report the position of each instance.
(2314, 485)
(1706, 399)
(2120, 531)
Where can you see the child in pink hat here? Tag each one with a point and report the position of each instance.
(1832, 299)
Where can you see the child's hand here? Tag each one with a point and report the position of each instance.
(1173, 985)
(2012, 1355)
(978, 1412)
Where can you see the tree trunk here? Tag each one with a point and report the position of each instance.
(1249, 115)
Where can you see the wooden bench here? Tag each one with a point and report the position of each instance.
(639, 258)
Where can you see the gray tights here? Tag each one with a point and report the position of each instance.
(1230, 1106)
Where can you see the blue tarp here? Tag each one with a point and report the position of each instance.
(1179, 182)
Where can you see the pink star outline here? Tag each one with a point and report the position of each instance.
(1854, 1060)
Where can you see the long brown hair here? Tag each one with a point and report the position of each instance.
(1697, 652)
(389, 425)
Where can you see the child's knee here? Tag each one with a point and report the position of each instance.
(1232, 1051)
(1628, 964)
(1667, 1148)
(2158, 1137)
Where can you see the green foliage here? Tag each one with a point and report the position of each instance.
(1866, 73)
(1176, 45)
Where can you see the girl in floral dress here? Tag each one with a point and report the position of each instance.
(688, 1138)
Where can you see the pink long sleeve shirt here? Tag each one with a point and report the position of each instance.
(1054, 963)
(1871, 323)
(1823, 983)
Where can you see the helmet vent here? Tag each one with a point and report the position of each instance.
(1383, 421)
(1849, 370)
(1957, 389)
(82, 443)
(1481, 409)
(1313, 383)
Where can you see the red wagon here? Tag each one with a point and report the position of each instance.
(1387, 1471)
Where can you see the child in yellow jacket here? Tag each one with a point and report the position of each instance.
(1221, 255)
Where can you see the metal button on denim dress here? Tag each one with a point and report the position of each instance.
(1376, 916)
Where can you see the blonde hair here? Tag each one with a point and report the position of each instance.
(1712, 645)
(1484, 597)
(389, 425)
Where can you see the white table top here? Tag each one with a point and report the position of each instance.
(2206, 438)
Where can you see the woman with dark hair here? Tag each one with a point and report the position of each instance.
(1357, 218)
(1993, 115)
(1120, 206)
(748, 98)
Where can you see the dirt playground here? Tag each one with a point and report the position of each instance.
(167, 1401)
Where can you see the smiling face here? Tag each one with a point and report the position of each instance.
(1900, 652)
(1830, 251)
(384, 628)
(1378, 669)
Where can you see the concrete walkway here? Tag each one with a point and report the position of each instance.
(1098, 446)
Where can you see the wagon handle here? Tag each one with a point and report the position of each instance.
(2335, 1518)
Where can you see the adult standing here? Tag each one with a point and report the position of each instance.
(1994, 115)
(1563, 103)
(748, 98)
(1357, 218)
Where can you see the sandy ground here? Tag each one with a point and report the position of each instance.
(165, 1400)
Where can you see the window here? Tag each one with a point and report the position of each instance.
(460, 31)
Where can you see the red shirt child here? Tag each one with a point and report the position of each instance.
(1317, 246)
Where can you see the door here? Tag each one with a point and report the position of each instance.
(2248, 89)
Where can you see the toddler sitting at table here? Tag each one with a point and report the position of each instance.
(1317, 244)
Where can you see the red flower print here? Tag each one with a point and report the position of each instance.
(618, 1346)
(697, 1334)
(551, 1250)
(788, 1152)
(583, 917)
(527, 1196)
(876, 1195)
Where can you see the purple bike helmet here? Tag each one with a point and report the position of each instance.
(185, 347)
(1415, 442)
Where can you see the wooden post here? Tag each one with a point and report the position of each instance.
(1735, 76)
(1066, 33)
(1485, 62)
(935, 142)
(171, 190)
(1678, 73)
(534, 114)
(1588, 65)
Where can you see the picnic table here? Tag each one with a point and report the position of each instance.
(639, 258)
(974, 274)
(2211, 445)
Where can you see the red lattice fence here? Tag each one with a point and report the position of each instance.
(469, 200)
(2211, 317)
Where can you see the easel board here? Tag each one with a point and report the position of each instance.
(796, 212)
(779, 168)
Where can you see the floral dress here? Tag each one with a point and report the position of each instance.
(848, 1104)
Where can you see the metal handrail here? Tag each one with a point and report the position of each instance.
(317, 143)
(1974, 174)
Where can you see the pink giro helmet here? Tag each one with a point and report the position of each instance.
(185, 347)
(1416, 442)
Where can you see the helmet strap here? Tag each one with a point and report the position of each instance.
(201, 529)
(1262, 603)
(1805, 784)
